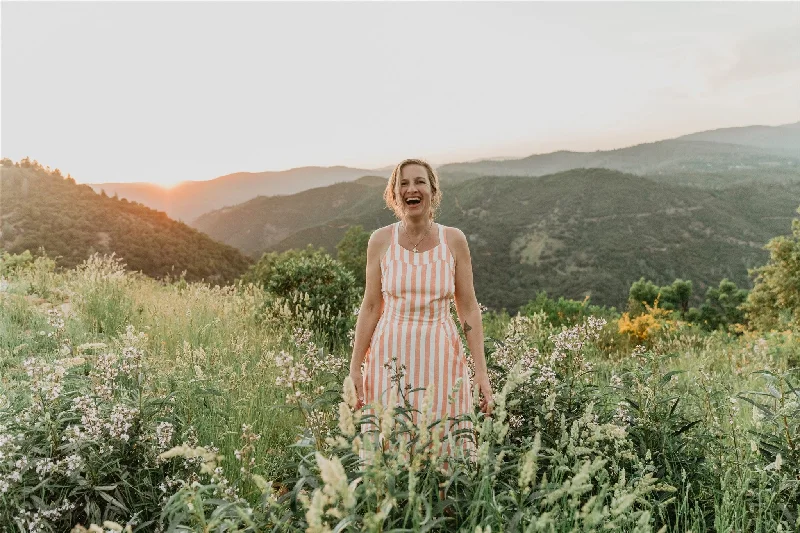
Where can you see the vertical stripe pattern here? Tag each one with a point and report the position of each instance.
(417, 330)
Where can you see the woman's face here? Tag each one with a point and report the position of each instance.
(413, 190)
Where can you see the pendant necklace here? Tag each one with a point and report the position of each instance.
(422, 239)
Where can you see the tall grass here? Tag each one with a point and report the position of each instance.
(691, 431)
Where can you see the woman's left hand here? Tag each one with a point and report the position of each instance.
(487, 400)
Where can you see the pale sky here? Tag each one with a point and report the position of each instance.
(165, 92)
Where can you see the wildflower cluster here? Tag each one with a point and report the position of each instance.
(303, 371)
(75, 434)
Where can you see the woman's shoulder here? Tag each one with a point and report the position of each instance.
(382, 234)
(454, 236)
(380, 240)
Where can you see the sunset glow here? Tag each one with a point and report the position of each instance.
(271, 86)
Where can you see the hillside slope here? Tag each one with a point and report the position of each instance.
(262, 222)
(576, 233)
(40, 209)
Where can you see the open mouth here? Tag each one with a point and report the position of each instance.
(413, 201)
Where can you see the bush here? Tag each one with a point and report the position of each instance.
(774, 302)
(563, 312)
(309, 288)
(352, 253)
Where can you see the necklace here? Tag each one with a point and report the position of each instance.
(422, 239)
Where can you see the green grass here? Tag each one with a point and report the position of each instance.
(206, 347)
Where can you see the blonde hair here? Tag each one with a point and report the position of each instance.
(390, 196)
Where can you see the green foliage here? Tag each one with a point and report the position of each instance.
(563, 312)
(674, 297)
(10, 263)
(774, 301)
(352, 252)
(777, 432)
(643, 292)
(722, 306)
(82, 443)
(313, 284)
(408, 484)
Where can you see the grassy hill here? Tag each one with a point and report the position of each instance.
(188, 200)
(42, 209)
(576, 233)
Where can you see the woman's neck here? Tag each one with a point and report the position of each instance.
(417, 225)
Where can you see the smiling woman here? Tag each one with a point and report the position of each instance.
(415, 267)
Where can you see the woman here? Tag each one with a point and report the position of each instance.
(414, 268)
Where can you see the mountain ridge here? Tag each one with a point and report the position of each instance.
(699, 159)
(575, 233)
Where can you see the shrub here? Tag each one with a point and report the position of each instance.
(309, 288)
(352, 253)
(563, 312)
(774, 302)
(644, 327)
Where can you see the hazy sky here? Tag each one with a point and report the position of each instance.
(165, 92)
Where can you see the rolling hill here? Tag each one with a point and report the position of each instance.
(576, 233)
(190, 199)
(263, 222)
(716, 158)
(43, 209)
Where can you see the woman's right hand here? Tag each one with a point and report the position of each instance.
(358, 382)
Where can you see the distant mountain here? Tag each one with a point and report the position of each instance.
(262, 222)
(715, 158)
(780, 140)
(71, 222)
(190, 199)
(576, 233)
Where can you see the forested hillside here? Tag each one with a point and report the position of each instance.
(577, 233)
(265, 221)
(41, 209)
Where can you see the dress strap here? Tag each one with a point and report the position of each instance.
(442, 238)
(396, 233)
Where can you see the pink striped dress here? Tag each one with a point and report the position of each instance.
(416, 328)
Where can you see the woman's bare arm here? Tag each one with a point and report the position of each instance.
(371, 309)
(469, 313)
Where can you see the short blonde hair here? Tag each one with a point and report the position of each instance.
(390, 196)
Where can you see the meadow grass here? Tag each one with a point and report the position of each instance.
(707, 415)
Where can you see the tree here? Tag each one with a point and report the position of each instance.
(722, 306)
(643, 291)
(352, 252)
(674, 297)
(774, 301)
